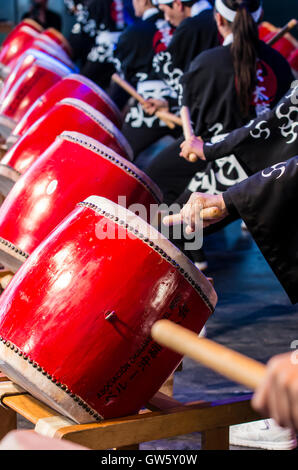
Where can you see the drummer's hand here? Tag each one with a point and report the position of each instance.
(277, 396)
(191, 212)
(192, 145)
(152, 105)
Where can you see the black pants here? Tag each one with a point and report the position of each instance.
(99, 73)
(171, 172)
(142, 137)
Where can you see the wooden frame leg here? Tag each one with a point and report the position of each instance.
(216, 439)
(8, 421)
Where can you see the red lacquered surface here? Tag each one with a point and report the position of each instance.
(25, 61)
(70, 114)
(17, 42)
(30, 86)
(72, 86)
(81, 308)
(58, 38)
(71, 169)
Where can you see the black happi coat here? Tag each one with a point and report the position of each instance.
(210, 93)
(134, 52)
(97, 22)
(194, 35)
(267, 202)
(268, 139)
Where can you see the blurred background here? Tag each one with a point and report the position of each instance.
(276, 12)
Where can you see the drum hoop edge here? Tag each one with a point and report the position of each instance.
(94, 145)
(76, 398)
(161, 252)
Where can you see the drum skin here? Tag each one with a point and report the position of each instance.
(71, 169)
(30, 86)
(76, 116)
(71, 86)
(75, 320)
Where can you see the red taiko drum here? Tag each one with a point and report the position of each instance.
(31, 85)
(71, 86)
(24, 62)
(71, 169)
(70, 113)
(15, 44)
(55, 36)
(75, 320)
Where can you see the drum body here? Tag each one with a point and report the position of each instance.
(75, 320)
(71, 86)
(25, 61)
(73, 114)
(31, 85)
(71, 169)
(55, 36)
(15, 44)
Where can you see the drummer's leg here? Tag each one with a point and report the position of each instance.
(141, 138)
(171, 172)
(99, 72)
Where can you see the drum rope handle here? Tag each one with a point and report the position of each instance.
(187, 129)
(229, 363)
(290, 25)
(169, 118)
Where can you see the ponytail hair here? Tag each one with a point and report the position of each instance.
(244, 50)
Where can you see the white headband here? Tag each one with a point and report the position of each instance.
(230, 15)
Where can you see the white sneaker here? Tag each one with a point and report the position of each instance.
(264, 434)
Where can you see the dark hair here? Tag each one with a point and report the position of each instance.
(244, 49)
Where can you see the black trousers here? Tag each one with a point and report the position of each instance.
(142, 137)
(171, 172)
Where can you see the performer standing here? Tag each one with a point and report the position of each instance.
(134, 53)
(195, 32)
(225, 88)
(98, 26)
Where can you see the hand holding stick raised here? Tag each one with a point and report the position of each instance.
(169, 118)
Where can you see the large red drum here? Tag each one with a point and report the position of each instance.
(25, 61)
(71, 169)
(31, 85)
(75, 320)
(71, 86)
(55, 36)
(15, 44)
(70, 113)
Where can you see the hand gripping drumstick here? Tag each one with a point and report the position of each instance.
(187, 129)
(290, 25)
(225, 361)
(207, 213)
(169, 118)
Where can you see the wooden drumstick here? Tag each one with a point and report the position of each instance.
(133, 92)
(208, 213)
(187, 129)
(290, 25)
(221, 359)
